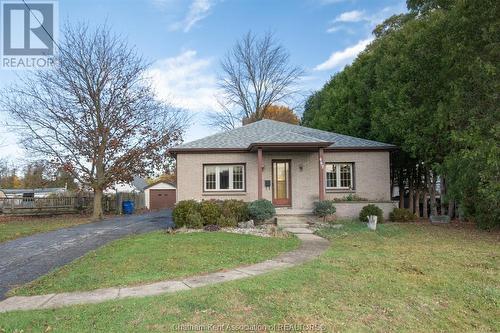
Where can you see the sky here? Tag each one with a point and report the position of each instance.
(185, 40)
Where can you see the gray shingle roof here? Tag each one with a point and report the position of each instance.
(289, 137)
(270, 131)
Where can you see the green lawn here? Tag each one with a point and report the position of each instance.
(409, 278)
(22, 227)
(158, 256)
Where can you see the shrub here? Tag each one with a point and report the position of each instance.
(182, 210)
(350, 197)
(277, 232)
(194, 221)
(371, 210)
(210, 211)
(401, 215)
(227, 222)
(324, 208)
(261, 210)
(235, 209)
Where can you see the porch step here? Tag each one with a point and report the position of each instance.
(293, 221)
(291, 211)
(294, 216)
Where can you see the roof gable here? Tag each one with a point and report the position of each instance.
(270, 131)
(158, 183)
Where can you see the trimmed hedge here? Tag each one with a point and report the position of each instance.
(223, 213)
(194, 221)
(371, 210)
(401, 215)
(261, 210)
(210, 211)
(227, 222)
(324, 208)
(235, 209)
(184, 212)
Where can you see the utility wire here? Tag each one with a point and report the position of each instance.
(36, 18)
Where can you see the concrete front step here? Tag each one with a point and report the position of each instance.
(293, 216)
(291, 211)
(294, 221)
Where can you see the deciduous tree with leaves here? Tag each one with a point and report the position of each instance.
(278, 113)
(94, 114)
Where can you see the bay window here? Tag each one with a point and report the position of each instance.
(339, 176)
(224, 177)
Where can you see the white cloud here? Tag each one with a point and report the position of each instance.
(186, 81)
(352, 16)
(345, 20)
(198, 10)
(343, 57)
(344, 28)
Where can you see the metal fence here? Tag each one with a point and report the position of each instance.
(67, 204)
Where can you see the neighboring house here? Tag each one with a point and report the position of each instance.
(138, 184)
(160, 195)
(290, 165)
(31, 192)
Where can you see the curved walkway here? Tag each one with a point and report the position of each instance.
(311, 246)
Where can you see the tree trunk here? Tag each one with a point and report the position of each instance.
(417, 203)
(411, 198)
(425, 214)
(97, 212)
(401, 186)
(432, 194)
(443, 194)
(451, 208)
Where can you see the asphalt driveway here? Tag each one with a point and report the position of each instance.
(25, 259)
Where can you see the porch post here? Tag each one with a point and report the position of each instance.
(260, 165)
(321, 163)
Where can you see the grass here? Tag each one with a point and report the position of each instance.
(157, 256)
(413, 278)
(16, 227)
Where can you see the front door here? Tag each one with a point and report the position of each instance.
(282, 189)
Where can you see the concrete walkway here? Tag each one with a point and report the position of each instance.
(311, 246)
(25, 259)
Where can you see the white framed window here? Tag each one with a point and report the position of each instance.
(339, 176)
(224, 177)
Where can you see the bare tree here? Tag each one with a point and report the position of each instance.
(4, 170)
(95, 114)
(225, 119)
(256, 73)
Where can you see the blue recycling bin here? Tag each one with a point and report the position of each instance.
(128, 207)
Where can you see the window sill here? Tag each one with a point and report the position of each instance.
(223, 193)
(339, 191)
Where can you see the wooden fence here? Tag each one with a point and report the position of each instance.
(67, 205)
